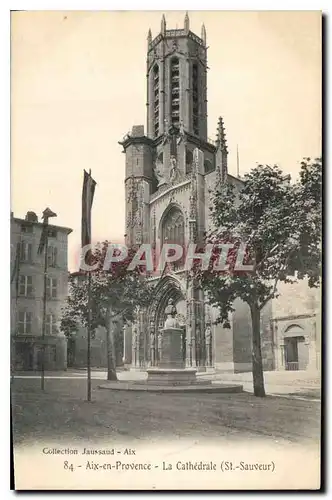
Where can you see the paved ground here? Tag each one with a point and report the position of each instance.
(303, 384)
(62, 413)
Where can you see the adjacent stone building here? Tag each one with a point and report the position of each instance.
(27, 293)
(296, 327)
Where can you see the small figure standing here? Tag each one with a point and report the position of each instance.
(158, 173)
(181, 132)
(208, 344)
(166, 131)
(172, 174)
(171, 312)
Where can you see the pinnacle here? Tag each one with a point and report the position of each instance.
(221, 135)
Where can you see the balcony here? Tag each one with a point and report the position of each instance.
(292, 366)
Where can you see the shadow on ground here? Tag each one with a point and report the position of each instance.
(61, 413)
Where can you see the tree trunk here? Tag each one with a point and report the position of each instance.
(111, 364)
(257, 362)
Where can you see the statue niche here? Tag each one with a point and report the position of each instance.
(158, 170)
(171, 312)
(173, 231)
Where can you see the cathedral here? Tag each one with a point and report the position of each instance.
(171, 170)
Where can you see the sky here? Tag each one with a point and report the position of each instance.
(78, 85)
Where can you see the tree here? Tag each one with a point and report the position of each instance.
(279, 223)
(115, 293)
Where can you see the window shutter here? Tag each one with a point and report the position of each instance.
(29, 252)
(21, 317)
(22, 285)
(22, 245)
(47, 324)
(29, 286)
(54, 325)
(28, 322)
(54, 288)
(55, 261)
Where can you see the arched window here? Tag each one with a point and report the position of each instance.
(175, 92)
(195, 98)
(156, 99)
(189, 161)
(173, 230)
(208, 167)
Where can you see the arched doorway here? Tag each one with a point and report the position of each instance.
(296, 349)
(168, 288)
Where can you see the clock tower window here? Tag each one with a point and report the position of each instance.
(175, 92)
(156, 99)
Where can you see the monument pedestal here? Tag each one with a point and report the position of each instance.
(171, 376)
(171, 370)
(171, 348)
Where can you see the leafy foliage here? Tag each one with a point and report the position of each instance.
(279, 223)
(115, 291)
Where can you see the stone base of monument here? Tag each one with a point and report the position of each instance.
(171, 370)
(171, 376)
(198, 387)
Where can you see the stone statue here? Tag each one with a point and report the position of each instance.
(158, 173)
(152, 344)
(134, 333)
(135, 337)
(166, 131)
(208, 334)
(208, 344)
(182, 133)
(172, 173)
(171, 312)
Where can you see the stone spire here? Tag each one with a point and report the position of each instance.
(186, 23)
(203, 34)
(149, 38)
(221, 141)
(163, 25)
(221, 154)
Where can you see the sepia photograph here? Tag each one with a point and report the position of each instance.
(166, 250)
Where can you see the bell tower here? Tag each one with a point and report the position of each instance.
(171, 168)
(176, 81)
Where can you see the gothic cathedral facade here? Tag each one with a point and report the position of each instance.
(171, 170)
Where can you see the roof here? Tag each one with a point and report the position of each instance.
(51, 226)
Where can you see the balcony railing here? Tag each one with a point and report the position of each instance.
(292, 365)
